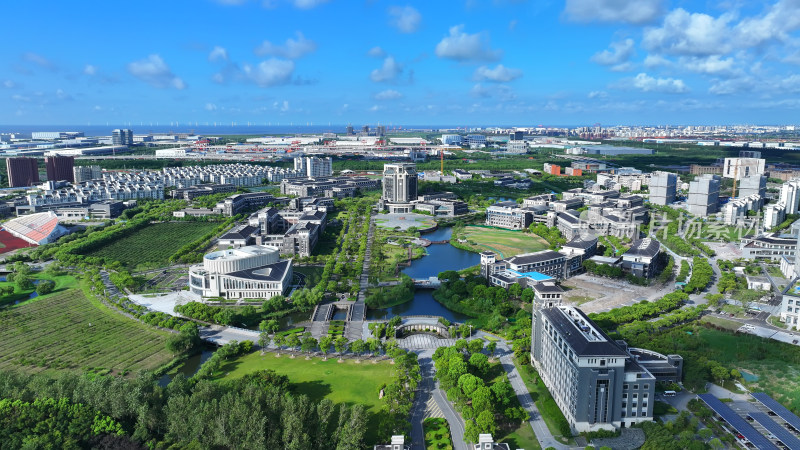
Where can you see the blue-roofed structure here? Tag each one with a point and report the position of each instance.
(778, 409)
(782, 434)
(736, 421)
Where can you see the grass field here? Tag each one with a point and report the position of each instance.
(522, 437)
(345, 382)
(731, 325)
(437, 434)
(540, 396)
(67, 331)
(63, 283)
(154, 244)
(505, 242)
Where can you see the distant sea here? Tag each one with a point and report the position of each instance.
(205, 129)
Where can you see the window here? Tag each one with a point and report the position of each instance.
(646, 386)
(624, 395)
(644, 395)
(624, 404)
(633, 414)
(644, 405)
(625, 386)
(635, 395)
(636, 386)
(623, 413)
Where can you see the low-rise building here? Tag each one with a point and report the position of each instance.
(770, 246)
(642, 259)
(251, 272)
(508, 215)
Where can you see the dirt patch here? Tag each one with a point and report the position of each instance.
(597, 294)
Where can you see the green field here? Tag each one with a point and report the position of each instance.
(505, 242)
(437, 434)
(154, 244)
(522, 437)
(63, 282)
(345, 382)
(70, 332)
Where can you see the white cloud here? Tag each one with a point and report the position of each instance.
(696, 34)
(389, 94)
(500, 74)
(712, 65)
(281, 106)
(461, 46)
(652, 61)
(218, 78)
(388, 72)
(376, 52)
(620, 52)
(61, 95)
(90, 70)
(210, 107)
(272, 72)
(155, 72)
(731, 86)
(376, 108)
(499, 91)
(626, 11)
(405, 18)
(780, 19)
(9, 84)
(307, 4)
(39, 60)
(218, 54)
(646, 83)
(291, 49)
(598, 94)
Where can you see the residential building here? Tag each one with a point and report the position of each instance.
(552, 169)
(22, 171)
(122, 137)
(790, 195)
(398, 442)
(774, 215)
(663, 187)
(595, 381)
(314, 167)
(742, 167)
(752, 185)
(642, 260)
(251, 272)
(60, 168)
(333, 187)
(703, 197)
(790, 310)
(736, 209)
(399, 183)
(86, 173)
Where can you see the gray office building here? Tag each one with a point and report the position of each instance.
(399, 182)
(750, 185)
(704, 195)
(122, 137)
(597, 382)
(663, 188)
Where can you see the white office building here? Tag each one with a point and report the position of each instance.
(451, 139)
(314, 167)
(248, 272)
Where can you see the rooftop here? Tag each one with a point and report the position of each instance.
(240, 253)
(580, 332)
(532, 258)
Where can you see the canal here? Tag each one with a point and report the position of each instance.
(440, 257)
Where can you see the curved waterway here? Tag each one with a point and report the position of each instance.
(440, 257)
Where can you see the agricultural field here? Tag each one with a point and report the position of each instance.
(504, 242)
(153, 245)
(67, 331)
(345, 382)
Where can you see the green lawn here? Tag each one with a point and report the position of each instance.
(313, 274)
(522, 437)
(345, 382)
(437, 434)
(544, 402)
(722, 323)
(154, 244)
(63, 283)
(67, 331)
(505, 242)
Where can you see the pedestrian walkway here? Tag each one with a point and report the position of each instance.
(424, 342)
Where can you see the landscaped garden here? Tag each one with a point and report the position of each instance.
(437, 434)
(67, 331)
(153, 244)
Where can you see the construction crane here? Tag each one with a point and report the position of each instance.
(441, 159)
(735, 177)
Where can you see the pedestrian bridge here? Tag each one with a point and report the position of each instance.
(427, 283)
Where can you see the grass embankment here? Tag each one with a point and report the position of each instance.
(345, 382)
(523, 437)
(154, 244)
(63, 282)
(67, 331)
(552, 415)
(505, 242)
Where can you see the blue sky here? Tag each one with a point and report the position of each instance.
(474, 62)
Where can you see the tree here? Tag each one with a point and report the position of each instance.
(293, 341)
(461, 344)
(515, 290)
(485, 422)
(482, 399)
(263, 341)
(491, 347)
(358, 347)
(475, 345)
(374, 345)
(280, 341)
(45, 287)
(479, 363)
(325, 345)
(308, 343)
(716, 443)
(270, 326)
(705, 433)
(23, 282)
(340, 344)
(527, 295)
(468, 383)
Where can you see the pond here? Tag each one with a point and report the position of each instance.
(189, 367)
(440, 257)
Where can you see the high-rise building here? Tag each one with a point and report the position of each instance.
(399, 182)
(349, 130)
(790, 196)
(704, 195)
(314, 167)
(365, 130)
(597, 382)
(86, 173)
(22, 171)
(59, 168)
(380, 130)
(663, 188)
(752, 185)
(122, 137)
(742, 167)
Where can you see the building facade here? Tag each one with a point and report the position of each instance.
(399, 182)
(251, 272)
(313, 166)
(704, 195)
(60, 168)
(86, 173)
(122, 137)
(663, 188)
(22, 171)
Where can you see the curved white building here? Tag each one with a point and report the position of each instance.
(39, 229)
(246, 272)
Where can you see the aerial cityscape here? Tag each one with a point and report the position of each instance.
(478, 225)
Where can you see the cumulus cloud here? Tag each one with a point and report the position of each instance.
(210, 107)
(308, 4)
(598, 94)
(625, 11)
(218, 54)
(500, 74)
(376, 52)
(272, 72)
(155, 72)
(90, 70)
(38, 60)
(388, 72)
(711, 65)
(389, 94)
(291, 49)
(500, 92)
(405, 18)
(619, 52)
(694, 34)
(9, 84)
(647, 83)
(731, 86)
(776, 23)
(462, 46)
(652, 61)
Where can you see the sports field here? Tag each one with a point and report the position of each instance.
(9, 242)
(505, 242)
(67, 331)
(154, 244)
(345, 382)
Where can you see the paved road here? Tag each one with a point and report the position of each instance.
(222, 335)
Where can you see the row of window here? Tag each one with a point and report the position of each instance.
(635, 386)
